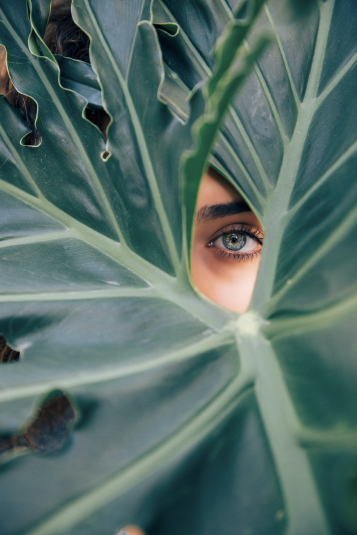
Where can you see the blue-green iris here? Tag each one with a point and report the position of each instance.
(234, 241)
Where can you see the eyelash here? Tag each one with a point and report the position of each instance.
(247, 230)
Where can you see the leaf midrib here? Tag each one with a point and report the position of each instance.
(302, 501)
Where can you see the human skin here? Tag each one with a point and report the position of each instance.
(226, 245)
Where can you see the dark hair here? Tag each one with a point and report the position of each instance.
(48, 430)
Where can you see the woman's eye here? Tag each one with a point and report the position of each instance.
(235, 242)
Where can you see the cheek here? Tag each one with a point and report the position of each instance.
(227, 282)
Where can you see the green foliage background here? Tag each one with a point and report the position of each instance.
(191, 419)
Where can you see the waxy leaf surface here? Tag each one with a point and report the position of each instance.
(192, 419)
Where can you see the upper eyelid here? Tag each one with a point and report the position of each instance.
(239, 226)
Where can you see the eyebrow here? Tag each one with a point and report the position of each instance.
(216, 211)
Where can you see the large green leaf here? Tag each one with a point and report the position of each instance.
(193, 419)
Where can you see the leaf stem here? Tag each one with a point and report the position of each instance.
(302, 501)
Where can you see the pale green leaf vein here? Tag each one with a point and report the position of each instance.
(303, 504)
(336, 313)
(167, 287)
(238, 123)
(142, 144)
(326, 10)
(240, 164)
(351, 151)
(339, 437)
(108, 246)
(227, 9)
(333, 240)
(79, 295)
(121, 370)
(267, 93)
(179, 443)
(280, 199)
(206, 71)
(337, 79)
(19, 161)
(38, 238)
(67, 121)
(283, 56)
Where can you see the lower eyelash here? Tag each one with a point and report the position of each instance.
(238, 257)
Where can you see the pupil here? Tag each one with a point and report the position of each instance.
(234, 242)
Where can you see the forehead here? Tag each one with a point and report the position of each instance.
(215, 189)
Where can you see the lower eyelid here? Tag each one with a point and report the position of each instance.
(238, 257)
(226, 252)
